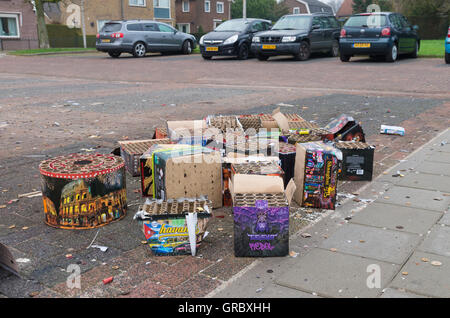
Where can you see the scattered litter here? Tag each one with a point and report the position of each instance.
(69, 256)
(25, 228)
(392, 130)
(22, 260)
(101, 248)
(399, 227)
(436, 263)
(115, 267)
(404, 273)
(2, 206)
(108, 280)
(11, 226)
(30, 194)
(333, 249)
(259, 290)
(306, 235)
(293, 254)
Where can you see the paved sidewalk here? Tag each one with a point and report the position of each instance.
(402, 232)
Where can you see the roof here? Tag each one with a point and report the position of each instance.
(317, 6)
(346, 9)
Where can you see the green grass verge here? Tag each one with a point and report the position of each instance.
(196, 50)
(432, 48)
(51, 50)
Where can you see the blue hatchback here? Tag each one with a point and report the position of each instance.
(447, 47)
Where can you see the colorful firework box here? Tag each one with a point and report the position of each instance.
(344, 128)
(165, 227)
(82, 191)
(261, 215)
(357, 161)
(316, 172)
(190, 171)
(132, 150)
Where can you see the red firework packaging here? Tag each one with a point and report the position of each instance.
(82, 191)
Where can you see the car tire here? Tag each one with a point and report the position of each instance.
(206, 57)
(334, 52)
(243, 52)
(447, 58)
(187, 47)
(114, 54)
(262, 57)
(345, 58)
(392, 55)
(304, 52)
(415, 54)
(139, 49)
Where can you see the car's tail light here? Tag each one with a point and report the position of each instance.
(448, 35)
(343, 33)
(98, 36)
(117, 35)
(386, 32)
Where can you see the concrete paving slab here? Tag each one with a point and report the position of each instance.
(438, 241)
(277, 291)
(439, 156)
(416, 198)
(424, 278)
(445, 219)
(396, 217)
(426, 181)
(333, 274)
(399, 293)
(380, 244)
(438, 168)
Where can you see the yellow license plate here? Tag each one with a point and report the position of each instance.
(106, 40)
(361, 45)
(269, 47)
(212, 49)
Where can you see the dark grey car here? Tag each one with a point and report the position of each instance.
(141, 36)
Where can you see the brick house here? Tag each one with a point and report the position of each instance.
(18, 26)
(207, 14)
(97, 13)
(307, 6)
(346, 9)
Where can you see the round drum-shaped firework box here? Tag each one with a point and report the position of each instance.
(82, 191)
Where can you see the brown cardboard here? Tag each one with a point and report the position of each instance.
(246, 183)
(290, 190)
(282, 121)
(299, 173)
(7, 260)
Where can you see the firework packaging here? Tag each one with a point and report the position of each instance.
(160, 133)
(345, 128)
(316, 172)
(132, 150)
(191, 132)
(392, 130)
(187, 172)
(7, 261)
(83, 191)
(357, 160)
(261, 215)
(286, 153)
(223, 123)
(175, 227)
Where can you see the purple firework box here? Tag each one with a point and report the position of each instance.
(261, 215)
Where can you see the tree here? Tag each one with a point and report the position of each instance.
(360, 6)
(424, 8)
(41, 27)
(265, 9)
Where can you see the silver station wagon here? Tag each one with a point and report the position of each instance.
(141, 36)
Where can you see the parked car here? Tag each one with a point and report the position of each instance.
(299, 35)
(447, 47)
(232, 38)
(386, 34)
(141, 36)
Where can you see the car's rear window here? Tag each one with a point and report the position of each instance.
(111, 27)
(370, 20)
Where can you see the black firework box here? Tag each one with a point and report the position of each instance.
(286, 153)
(357, 160)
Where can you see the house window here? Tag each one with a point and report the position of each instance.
(207, 6)
(296, 10)
(137, 3)
(219, 7)
(184, 27)
(185, 6)
(162, 9)
(216, 23)
(9, 26)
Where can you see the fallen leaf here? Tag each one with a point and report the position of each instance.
(25, 228)
(362, 241)
(293, 254)
(143, 242)
(11, 226)
(404, 273)
(2, 206)
(436, 263)
(424, 259)
(333, 249)
(115, 267)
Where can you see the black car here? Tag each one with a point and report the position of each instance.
(232, 38)
(384, 34)
(299, 35)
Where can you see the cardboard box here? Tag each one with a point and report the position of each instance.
(165, 225)
(250, 122)
(132, 150)
(146, 167)
(188, 172)
(287, 153)
(261, 215)
(160, 133)
(357, 160)
(316, 173)
(223, 123)
(191, 132)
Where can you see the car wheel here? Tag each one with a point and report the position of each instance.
(187, 47)
(415, 54)
(447, 58)
(206, 57)
(139, 49)
(262, 57)
(393, 54)
(243, 52)
(304, 52)
(334, 49)
(345, 58)
(114, 54)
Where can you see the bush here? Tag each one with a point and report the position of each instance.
(63, 36)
